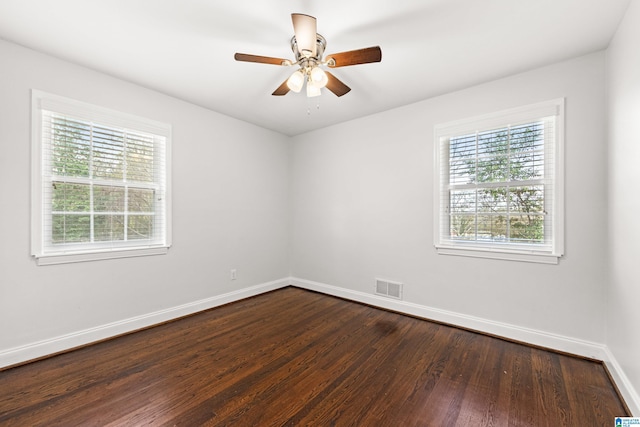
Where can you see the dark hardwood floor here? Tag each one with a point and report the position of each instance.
(293, 357)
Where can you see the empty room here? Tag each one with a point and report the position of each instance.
(417, 213)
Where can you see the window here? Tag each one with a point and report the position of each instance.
(499, 185)
(100, 185)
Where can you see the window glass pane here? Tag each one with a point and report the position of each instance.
(463, 201)
(108, 199)
(70, 197)
(527, 199)
(493, 160)
(462, 159)
(71, 228)
(527, 137)
(492, 227)
(71, 147)
(108, 153)
(141, 200)
(462, 171)
(463, 227)
(463, 147)
(108, 228)
(494, 142)
(527, 228)
(140, 151)
(493, 200)
(493, 169)
(527, 151)
(527, 165)
(140, 227)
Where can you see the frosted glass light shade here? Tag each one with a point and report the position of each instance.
(296, 81)
(318, 77)
(312, 90)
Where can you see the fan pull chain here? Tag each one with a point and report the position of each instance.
(309, 106)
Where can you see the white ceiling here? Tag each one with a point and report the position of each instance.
(429, 47)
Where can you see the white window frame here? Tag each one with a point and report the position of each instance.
(554, 175)
(42, 250)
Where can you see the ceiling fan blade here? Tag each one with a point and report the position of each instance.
(335, 85)
(283, 89)
(304, 27)
(355, 57)
(261, 59)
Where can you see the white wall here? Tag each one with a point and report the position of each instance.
(362, 208)
(230, 210)
(623, 292)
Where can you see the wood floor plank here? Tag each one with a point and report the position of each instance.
(521, 388)
(293, 357)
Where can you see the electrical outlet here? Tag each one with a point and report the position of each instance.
(234, 274)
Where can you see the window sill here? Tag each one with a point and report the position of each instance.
(72, 257)
(491, 253)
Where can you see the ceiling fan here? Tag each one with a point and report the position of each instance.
(308, 47)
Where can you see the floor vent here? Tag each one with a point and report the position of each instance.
(389, 289)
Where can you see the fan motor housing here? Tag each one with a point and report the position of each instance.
(321, 44)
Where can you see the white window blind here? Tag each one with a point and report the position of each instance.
(100, 183)
(499, 185)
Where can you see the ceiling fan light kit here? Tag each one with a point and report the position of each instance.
(308, 47)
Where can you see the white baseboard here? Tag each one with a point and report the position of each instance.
(526, 335)
(57, 344)
(631, 397)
